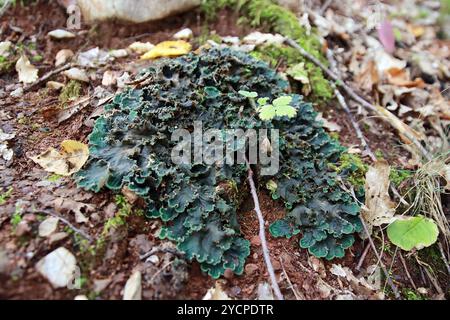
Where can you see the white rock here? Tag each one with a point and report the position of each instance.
(183, 34)
(17, 93)
(54, 85)
(257, 38)
(76, 74)
(81, 297)
(61, 34)
(119, 53)
(5, 47)
(154, 259)
(265, 292)
(55, 237)
(109, 78)
(63, 56)
(141, 47)
(133, 287)
(231, 40)
(48, 226)
(92, 58)
(139, 11)
(58, 267)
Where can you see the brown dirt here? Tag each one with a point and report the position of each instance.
(38, 130)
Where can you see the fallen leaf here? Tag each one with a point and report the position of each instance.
(379, 209)
(118, 53)
(65, 205)
(93, 58)
(73, 156)
(6, 153)
(400, 77)
(386, 36)
(5, 47)
(368, 77)
(216, 293)
(168, 49)
(54, 85)
(27, 72)
(109, 78)
(299, 73)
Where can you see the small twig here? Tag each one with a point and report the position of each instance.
(47, 76)
(160, 270)
(325, 7)
(433, 280)
(383, 267)
(363, 256)
(357, 98)
(5, 7)
(163, 250)
(444, 258)
(262, 235)
(296, 294)
(407, 271)
(71, 226)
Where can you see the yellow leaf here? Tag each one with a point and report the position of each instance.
(168, 49)
(72, 157)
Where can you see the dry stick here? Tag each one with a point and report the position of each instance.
(363, 256)
(407, 271)
(262, 235)
(383, 267)
(357, 128)
(48, 75)
(353, 95)
(296, 294)
(71, 226)
(444, 257)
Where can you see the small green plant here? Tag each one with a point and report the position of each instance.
(397, 176)
(280, 107)
(5, 195)
(70, 92)
(16, 218)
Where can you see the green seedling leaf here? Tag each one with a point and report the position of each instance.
(248, 94)
(267, 112)
(288, 111)
(282, 101)
(413, 232)
(262, 101)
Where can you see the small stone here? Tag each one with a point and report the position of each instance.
(133, 287)
(109, 78)
(57, 237)
(255, 256)
(76, 74)
(101, 284)
(141, 47)
(119, 53)
(251, 268)
(154, 259)
(54, 85)
(183, 34)
(48, 226)
(81, 297)
(58, 267)
(17, 93)
(61, 34)
(22, 228)
(63, 56)
(5, 47)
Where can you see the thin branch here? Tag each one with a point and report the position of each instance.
(407, 271)
(71, 226)
(47, 76)
(363, 257)
(262, 235)
(383, 267)
(382, 113)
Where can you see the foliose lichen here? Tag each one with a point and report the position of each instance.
(131, 146)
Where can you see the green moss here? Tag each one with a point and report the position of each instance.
(275, 18)
(412, 295)
(70, 92)
(353, 167)
(5, 195)
(397, 176)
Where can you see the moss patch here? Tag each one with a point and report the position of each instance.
(275, 18)
(70, 92)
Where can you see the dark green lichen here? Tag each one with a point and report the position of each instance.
(131, 146)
